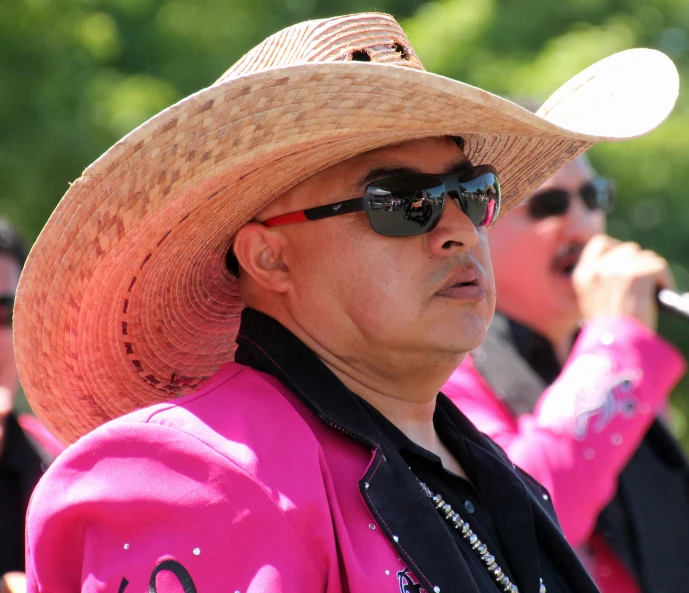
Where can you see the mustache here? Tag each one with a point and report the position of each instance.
(567, 257)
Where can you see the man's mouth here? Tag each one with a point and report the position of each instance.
(565, 262)
(464, 285)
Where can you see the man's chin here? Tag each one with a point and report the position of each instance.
(466, 339)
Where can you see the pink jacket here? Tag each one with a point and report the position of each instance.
(162, 498)
(242, 487)
(587, 424)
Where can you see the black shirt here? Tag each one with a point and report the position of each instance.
(510, 510)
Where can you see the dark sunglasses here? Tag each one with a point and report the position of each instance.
(6, 306)
(410, 205)
(597, 194)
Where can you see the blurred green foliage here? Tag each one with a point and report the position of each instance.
(76, 75)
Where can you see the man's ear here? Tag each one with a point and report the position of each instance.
(260, 253)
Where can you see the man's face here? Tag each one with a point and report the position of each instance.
(533, 259)
(9, 277)
(370, 297)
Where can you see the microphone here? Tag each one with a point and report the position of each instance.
(670, 301)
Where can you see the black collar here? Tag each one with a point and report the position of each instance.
(534, 348)
(391, 491)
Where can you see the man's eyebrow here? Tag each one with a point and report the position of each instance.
(385, 172)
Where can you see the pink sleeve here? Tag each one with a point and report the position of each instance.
(144, 507)
(588, 423)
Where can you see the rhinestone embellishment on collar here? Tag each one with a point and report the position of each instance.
(476, 544)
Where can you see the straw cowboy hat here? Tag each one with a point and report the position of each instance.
(126, 299)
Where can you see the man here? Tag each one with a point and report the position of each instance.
(323, 459)
(581, 416)
(21, 456)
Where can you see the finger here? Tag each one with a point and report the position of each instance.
(621, 254)
(650, 265)
(663, 276)
(597, 246)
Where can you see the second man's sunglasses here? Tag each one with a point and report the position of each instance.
(410, 205)
(597, 194)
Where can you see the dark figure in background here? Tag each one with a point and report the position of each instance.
(23, 453)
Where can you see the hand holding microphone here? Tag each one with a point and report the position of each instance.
(620, 279)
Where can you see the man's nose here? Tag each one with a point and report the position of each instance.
(455, 232)
(581, 221)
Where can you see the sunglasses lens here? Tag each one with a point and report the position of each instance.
(479, 195)
(553, 202)
(405, 206)
(6, 305)
(599, 194)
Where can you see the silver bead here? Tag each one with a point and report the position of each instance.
(447, 509)
(497, 573)
(514, 589)
(473, 539)
(455, 519)
(546, 497)
(196, 551)
(395, 538)
(371, 526)
(366, 485)
(436, 499)
(477, 545)
(542, 588)
(126, 546)
(489, 559)
(505, 583)
(468, 534)
(465, 528)
(436, 589)
(483, 549)
(387, 572)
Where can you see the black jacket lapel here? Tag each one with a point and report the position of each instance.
(519, 494)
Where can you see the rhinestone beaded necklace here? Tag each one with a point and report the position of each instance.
(476, 544)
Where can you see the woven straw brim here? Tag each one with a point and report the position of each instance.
(125, 300)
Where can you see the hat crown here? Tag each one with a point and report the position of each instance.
(366, 37)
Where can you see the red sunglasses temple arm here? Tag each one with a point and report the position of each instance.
(286, 218)
(346, 207)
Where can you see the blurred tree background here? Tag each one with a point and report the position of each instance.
(76, 75)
